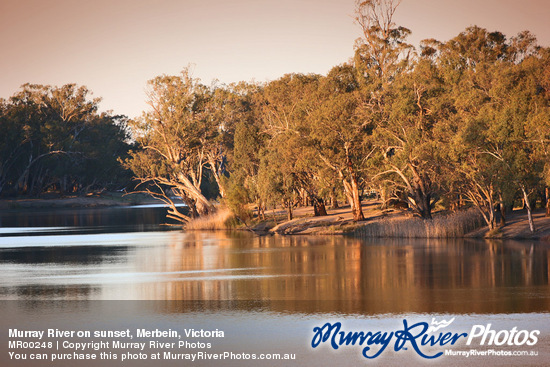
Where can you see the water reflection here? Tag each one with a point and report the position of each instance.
(378, 277)
(305, 274)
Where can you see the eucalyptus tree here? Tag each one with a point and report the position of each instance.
(521, 131)
(55, 139)
(277, 173)
(177, 138)
(229, 106)
(466, 63)
(244, 162)
(538, 125)
(12, 141)
(410, 154)
(288, 154)
(340, 136)
(495, 100)
(382, 55)
(544, 79)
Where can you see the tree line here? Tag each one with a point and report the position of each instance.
(54, 139)
(464, 122)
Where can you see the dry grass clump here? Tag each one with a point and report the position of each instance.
(223, 218)
(452, 225)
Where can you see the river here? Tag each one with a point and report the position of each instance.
(115, 268)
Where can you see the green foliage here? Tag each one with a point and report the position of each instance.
(186, 140)
(53, 139)
(237, 198)
(493, 88)
(467, 119)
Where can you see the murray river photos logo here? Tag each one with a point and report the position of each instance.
(419, 337)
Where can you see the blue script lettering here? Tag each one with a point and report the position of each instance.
(441, 339)
(405, 335)
(339, 338)
(320, 337)
(377, 338)
(413, 334)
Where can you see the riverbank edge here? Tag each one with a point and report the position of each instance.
(390, 223)
(55, 201)
(516, 229)
(385, 224)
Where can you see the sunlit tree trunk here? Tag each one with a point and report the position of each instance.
(352, 194)
(483, 199)
(383, 197)
(502, 205)
(193, 192)
(351, 186)
(529, 209)
(422, 193)
(354, 188)
(288, 205)
(419, 196)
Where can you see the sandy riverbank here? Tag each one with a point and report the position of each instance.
(340, 221)
(517, 227)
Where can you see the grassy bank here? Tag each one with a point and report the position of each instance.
(445, 226)
(221, 219)
(377, 224)
(380, 224)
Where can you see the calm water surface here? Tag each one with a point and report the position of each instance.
(126, 254)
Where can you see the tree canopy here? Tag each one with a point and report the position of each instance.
(54, 139)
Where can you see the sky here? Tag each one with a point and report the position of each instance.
(115, 46)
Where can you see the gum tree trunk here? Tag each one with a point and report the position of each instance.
(528, 207)
(319, 209)
(502, 212)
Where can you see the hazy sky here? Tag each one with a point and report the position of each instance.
(114, 46)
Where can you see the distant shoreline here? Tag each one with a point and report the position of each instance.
(76, 201)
